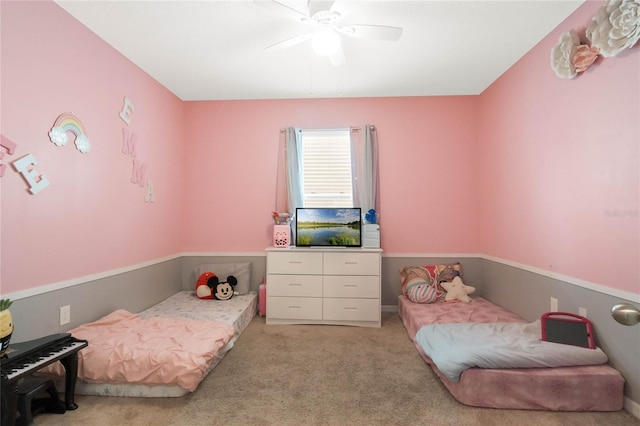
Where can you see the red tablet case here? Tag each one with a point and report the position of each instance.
(567, 328)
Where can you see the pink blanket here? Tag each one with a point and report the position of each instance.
(124, 348)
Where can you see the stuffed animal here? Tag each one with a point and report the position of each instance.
(418, 285)
(370, 217)
(209, 286)
(445, 272)
(457, 290)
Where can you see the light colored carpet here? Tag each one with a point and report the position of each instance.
(316, 375)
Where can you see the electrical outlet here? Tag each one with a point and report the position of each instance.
(582, 312)
(65, 314)
(554, 304)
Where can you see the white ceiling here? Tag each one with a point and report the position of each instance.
(214, 50)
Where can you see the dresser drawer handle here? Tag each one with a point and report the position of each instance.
(295, 285)
(353, 308)
(351, 285)
(351, 263)
(295, 307)
(295, 261)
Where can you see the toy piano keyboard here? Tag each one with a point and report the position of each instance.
(567, 328)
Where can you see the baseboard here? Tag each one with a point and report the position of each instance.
(389, 309)
(632, 407)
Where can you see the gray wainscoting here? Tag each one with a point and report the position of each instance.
(39, 315)
(523, 292)
(528, 294)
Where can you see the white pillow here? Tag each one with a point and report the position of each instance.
(242, 272)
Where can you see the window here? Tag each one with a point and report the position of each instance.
(325, 157)
(327, 168)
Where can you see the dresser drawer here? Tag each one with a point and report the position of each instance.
(297, 263)
(298, 308)
(294, 285)
(350, 263)
(351, 309)
(351, 286)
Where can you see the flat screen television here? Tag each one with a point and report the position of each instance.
(328, 227)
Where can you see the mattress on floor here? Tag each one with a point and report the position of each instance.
(584, 388)
(237, 312)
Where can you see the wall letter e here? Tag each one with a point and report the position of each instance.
(36, 182)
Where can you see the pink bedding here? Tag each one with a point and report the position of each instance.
(586, 388)
(415, 315)
(125, 348)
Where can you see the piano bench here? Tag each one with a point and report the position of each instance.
(28, 405)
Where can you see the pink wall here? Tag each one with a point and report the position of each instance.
(536, 170)
(91, 218)
(428, 169)
(559, 165)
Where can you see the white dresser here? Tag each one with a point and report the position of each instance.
(339, 286)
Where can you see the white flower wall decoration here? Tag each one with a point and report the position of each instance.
(615, 27)
(562, 54)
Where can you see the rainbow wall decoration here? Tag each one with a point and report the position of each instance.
(68, 122)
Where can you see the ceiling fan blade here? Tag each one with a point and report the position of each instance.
(289, 42)
(372, 32)
(282, 9)
(337, 58)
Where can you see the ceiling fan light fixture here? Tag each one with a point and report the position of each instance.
(325, 42)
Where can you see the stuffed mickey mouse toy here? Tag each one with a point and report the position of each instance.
(209, 286)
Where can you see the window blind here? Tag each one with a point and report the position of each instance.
(326, 168)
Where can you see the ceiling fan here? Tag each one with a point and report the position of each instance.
(324, 16)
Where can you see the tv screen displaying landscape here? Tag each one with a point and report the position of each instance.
(337, 227)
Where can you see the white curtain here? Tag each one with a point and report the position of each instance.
(364, 167)
(289, 188)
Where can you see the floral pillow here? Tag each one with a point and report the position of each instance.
(444, 272)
